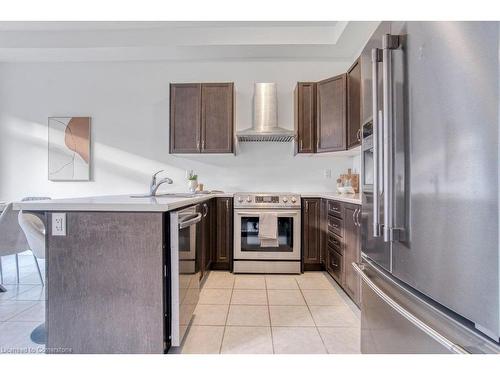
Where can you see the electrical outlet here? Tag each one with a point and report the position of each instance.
(328, 173)
(58, 224)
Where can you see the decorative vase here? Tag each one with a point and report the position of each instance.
(192, 185)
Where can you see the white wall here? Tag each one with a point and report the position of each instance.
(129, 106)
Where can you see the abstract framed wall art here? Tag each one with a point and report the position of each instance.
(69, 148)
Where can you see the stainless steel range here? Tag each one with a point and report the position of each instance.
(278, 216)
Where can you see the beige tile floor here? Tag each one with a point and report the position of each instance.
(266, 314)
(237, 314)
(22, 307)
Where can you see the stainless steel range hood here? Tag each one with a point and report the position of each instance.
(265, 117)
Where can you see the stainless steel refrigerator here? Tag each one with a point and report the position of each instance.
(430, 247)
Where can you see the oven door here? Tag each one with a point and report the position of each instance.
(246, 235)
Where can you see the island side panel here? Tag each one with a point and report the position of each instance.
(105, 283)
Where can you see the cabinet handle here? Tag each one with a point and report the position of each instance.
(354, 217)
(203, 144)
(198, 144)
(227, 204)
(357, 217)
(307, 206)
(358, 135)
(301, 145)
(205, 209)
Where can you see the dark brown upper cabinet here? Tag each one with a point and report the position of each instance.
(331, 114)
(354, 105)
(201, 118)
(305, 117)
(185, 118)
(217, 117)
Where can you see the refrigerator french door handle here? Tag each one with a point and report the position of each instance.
(380, 156)
(387, 147)
(376, 58)
(390, 232)
(359, 268)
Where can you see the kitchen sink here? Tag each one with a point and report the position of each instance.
(173, 195)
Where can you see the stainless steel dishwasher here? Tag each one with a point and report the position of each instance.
(185, 273)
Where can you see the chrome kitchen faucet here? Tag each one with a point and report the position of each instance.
(154, 185)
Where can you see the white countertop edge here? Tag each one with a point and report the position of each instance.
(121, 203)
(347, 198)
(124, 203)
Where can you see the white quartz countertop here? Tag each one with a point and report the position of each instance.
(146, 204)
(348, 198)
(114, 203)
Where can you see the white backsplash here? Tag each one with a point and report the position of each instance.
(129, 106)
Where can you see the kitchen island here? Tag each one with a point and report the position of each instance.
(108, 275)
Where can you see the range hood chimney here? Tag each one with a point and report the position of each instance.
(265, 117)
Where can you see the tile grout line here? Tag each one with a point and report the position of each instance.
(227, 317)
(269, 315)
(19, 312)
(314, 321)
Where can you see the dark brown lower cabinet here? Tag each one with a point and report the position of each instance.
(223, 231)
(352, 252)
(205, 237)
(343, 245)
(334, 264)
(215, 235)
(311, 234)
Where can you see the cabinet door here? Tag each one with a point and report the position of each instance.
(205, 238)
(335, 264)
(217, 118)
(353, 105)
(352, 254)
(331, 114)
(323, 222)
(305, 116)
(185, 119)
(311, 233)
(224, 234)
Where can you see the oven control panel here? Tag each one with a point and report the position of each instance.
(267, 200)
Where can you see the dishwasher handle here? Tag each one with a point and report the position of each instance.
(190, 220)
(359, 268)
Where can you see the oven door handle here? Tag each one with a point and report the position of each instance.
(280, 213)
(190, 220)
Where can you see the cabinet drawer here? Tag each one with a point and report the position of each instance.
(335, 208)
(335, 265)
(335, 225)
(335, 242)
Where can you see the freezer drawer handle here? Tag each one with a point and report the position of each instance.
(359, 268)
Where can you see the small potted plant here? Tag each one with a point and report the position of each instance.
(192, 181)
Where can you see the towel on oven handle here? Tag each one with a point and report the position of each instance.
(268, 229)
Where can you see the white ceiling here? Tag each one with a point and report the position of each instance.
(211, 41)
